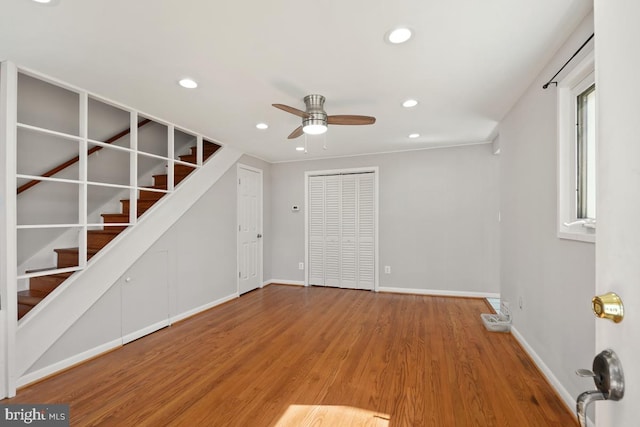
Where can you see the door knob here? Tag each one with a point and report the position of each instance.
(608, 306)
(609, 379)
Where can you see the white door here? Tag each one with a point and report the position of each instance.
(618, 234)
(249, 228)
(145, 296)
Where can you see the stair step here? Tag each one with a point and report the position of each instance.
(183, 169)
(23, 309)
(152, 195)
(47, 283)
(208, 149)
(143, 205)
(68, 257)
(161, 180)
(98, 239)
(191, 158)
(31, 297)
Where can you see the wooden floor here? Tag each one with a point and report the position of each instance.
(293, 356)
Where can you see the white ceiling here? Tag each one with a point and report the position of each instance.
(467, 63)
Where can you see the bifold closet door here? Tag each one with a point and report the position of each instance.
(341, 227)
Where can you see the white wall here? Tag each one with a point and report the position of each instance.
(438, 225)
(201, 249)
(555, 278)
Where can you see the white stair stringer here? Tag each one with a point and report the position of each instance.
(39, 329)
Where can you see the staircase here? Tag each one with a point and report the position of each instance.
(41, 286)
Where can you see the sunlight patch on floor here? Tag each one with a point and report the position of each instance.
(330, 415)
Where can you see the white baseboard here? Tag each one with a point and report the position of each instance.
(284, 282)
(437, 292)
(564, 394)
(67, 363)
(145, 331)
(202, 308)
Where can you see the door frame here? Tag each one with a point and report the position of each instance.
(260, 225)
(346, 171)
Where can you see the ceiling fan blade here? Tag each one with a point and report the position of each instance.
(350, 120)
(292, 110)
(296, 133)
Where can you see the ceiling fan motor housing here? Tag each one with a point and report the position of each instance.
(315, 109)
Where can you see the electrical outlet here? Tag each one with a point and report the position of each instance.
(387, 269)
(301, 266)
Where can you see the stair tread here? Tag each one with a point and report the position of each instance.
(31, 297)
(74, 250)
(59, 275)
(103, 232)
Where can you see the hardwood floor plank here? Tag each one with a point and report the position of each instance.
(290, 356)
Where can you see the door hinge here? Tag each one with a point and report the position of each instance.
(239, 228)
(239, 275)
(239, 181)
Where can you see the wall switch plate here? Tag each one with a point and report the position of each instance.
(387, 269)
(301, 266)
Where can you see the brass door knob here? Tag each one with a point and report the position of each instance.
(608, 306)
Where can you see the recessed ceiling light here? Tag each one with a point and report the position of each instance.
(188, 83)
(414, 135)
(409, 103)
(42, 1)
(399, 35)
(262, 126)
(299, 148)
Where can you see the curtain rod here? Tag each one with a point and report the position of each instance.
(546, 85)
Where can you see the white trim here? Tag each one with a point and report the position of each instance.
(438, 292)
(8, 232)
(260, 224)
(564, 394)
(145, 331)
(376, 153)
(284, 282)
(367, 169)
(69, 362)
(197, 310)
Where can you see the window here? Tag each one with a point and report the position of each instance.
(586, 154)
(577, 153)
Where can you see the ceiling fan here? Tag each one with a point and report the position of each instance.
(315, 119)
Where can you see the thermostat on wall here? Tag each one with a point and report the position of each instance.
(295, 208)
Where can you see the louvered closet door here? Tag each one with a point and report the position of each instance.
(342, 230)
(349, 250)
(366, 231)
(332, 230)
(316, 230)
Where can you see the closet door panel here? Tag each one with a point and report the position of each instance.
(332, 224)
(349, 276)
(366, 231)
(316, 230)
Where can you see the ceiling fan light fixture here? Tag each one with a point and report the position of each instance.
(315, 129)
(399, 35)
